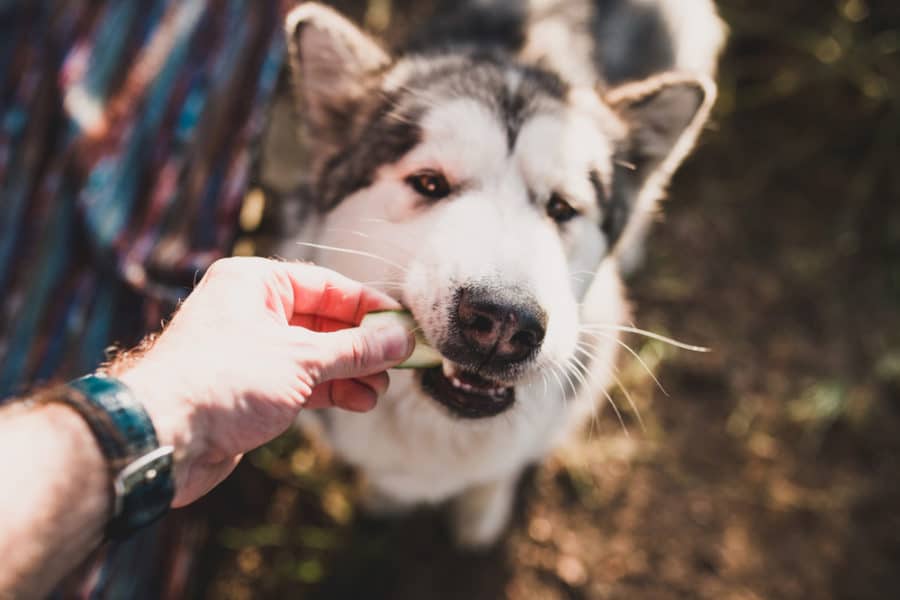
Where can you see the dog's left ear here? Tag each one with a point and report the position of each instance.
(664, 115)
(333, 67)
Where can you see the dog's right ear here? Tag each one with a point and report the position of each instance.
(333, 68)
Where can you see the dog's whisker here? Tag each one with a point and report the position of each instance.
(586, 349)
(581, 378)
(369, 236)
(553, 371)
(618, 413)
(589, 376)
(635, 355)
(355, 252)
(589, 352)
(566, 374)
(577, 374)
(609, 397)
(648, 334)
(637, 413)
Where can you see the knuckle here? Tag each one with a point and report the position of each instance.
(360, 352)
(225, 271)
(220, 268)
(221, 264)
(235, 264)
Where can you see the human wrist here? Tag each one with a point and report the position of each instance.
(141, 470)
(171, 410)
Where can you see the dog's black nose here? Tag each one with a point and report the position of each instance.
(500, 326)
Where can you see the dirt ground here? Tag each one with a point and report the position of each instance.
(771, 467)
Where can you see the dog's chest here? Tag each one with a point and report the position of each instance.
(409, 448)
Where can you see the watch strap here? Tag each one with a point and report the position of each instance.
(121, 425)
(140, 470)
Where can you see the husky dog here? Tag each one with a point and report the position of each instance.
(489, 175)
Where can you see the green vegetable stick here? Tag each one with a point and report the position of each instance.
(423, 356)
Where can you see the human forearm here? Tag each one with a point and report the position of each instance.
(56, 499)
(255, 343)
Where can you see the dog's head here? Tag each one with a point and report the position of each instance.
(482, 193)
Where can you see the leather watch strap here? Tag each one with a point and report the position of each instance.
(140, 470)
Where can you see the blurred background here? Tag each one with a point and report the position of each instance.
(770, 467)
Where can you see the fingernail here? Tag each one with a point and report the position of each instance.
(396, 342)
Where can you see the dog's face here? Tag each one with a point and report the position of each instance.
(483, 194)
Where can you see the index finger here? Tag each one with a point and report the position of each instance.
(326, 294)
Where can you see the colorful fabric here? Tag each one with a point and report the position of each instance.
(126, 137)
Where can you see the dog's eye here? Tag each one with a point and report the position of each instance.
(559, 210)
(430, 184)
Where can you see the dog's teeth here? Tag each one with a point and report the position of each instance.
(448, 370)
(460, 385)
(496, 393)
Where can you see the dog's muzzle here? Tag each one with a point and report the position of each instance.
(494, 333)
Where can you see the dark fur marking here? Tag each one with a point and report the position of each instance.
(482, 75)
(498, 26)
(633, 40)
(617, 206)
(516, 107)
(614, 207)
(511, 107)
(384, 140)
(392, 130)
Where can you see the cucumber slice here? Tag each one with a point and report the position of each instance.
(423, 356)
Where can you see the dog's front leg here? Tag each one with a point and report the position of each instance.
(481, 513)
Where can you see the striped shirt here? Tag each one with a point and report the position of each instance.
(127, 130)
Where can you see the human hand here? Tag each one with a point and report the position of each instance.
(256, 341)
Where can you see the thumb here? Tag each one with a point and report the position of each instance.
(362, 351)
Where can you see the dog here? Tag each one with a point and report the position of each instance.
(495, 175)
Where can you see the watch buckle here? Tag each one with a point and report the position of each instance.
(141, 470)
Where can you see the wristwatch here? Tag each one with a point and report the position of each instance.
(140, 469)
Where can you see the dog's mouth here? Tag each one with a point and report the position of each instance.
(467, 394)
